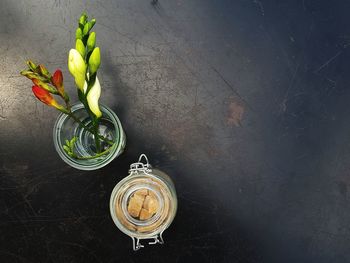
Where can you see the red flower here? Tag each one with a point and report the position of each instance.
(45, 97)
(57, 81)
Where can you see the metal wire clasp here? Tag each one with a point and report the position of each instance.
(139, 166)
(158, 239)
(144, 167)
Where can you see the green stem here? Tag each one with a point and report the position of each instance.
(95, 156)
(95, 132)
(97, 141)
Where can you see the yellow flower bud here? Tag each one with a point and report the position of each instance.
(91, 41)
(86, 28)
(79, 33)
(80, 47)
(77, 68)
(92, 98)
(31, 65)
(44, 72)
(83, 18)
(92, 22)
(94, 61)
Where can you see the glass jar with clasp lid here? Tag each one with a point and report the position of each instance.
(144, 203)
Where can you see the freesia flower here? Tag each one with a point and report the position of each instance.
(45, 97)
(83, 63)
(57, 81)
(77, 67)
(93, 97)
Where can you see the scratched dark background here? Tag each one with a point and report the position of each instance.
(244, 103)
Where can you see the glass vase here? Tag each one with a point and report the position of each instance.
(85, 147)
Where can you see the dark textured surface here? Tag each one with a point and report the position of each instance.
(244, 103)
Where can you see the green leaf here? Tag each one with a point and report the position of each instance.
(72, 142)
(69, 147)
(66, 149)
